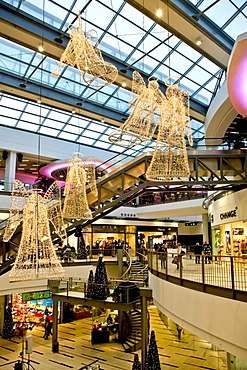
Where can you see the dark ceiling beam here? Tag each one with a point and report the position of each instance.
(177, 18)
(29, 32)
(58, 99)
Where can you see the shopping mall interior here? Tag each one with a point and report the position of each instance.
(123, 173)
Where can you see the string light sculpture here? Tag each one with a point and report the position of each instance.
(82, 52)
(36, 257)
(145, 115)
(170, 159)
(79, 177)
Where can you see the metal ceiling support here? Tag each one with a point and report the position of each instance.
(26, 31)
(58, 99)
(177, 18)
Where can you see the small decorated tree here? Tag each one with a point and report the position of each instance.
(90, 285)
(136, 363)
(152, 361)
(100, 286)
(81, 250)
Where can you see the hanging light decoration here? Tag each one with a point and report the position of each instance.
(82, 52)
(170, 160)
(80, 176)
(36, 257)
(145, 115)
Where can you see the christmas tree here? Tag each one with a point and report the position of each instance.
(100, 286)
(152, 361)
(81, 250)
(136, 363)
(8, 323)
(90, 285)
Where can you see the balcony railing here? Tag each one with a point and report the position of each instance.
(226, 272)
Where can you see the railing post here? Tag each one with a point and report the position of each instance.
(203, 273)
(232, 276)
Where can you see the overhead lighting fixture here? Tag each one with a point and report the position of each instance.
(159, 13)
(124, 84)
(41, 48)
(39, 101)
(198, 41)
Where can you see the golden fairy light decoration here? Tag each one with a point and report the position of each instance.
(36, 257)
(145, 115)
(82, 52)
(170, 159)
(80, 177)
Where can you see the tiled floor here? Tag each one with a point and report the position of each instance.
(76, 350)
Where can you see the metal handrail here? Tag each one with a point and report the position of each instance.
(221, 271)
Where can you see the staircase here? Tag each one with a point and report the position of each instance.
(138, 272)
(133, 342)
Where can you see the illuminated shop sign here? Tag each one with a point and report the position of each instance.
(30, 296)
(229, 214)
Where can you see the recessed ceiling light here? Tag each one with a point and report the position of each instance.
(25, 160)
(159, 13)
(20, 169)
(22, 164)
(198, 41)
(124, 84)
(39, 101)
(41, 48)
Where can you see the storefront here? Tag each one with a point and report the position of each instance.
(228, 217)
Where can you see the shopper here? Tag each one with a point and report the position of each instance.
(48, 326)
(207, 251)
(198, 252)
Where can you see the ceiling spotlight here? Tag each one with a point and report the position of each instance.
(59, 40)
(39, 101)
(23, 85)
(102, 121)
(73, 111)
(159, 13)
(124, 84)
(198, 41)
(41, 48)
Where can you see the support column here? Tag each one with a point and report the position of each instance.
(205, 227)
(10, 170)
(55, 344)
(145, 294)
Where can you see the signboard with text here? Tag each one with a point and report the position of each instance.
(30, 296)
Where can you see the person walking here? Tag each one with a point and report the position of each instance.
(48, 326)
(198, 252)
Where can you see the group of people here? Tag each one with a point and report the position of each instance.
(204, 249)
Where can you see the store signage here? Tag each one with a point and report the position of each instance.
(30, 296)
(229, 214)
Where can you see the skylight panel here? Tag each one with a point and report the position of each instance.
(86, 140)
(10, 112)
(30, 118)
(27, 126)
(102, 145)
(48, 131)
(91, 134)
(7, 121)
(58, 116)
(96, 127)
(52, 123)
(67, 136)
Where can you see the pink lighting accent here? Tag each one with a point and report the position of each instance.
(59, 165)
(237, 75)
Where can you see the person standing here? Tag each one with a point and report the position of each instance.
(7, 332)
(48, 326)
(180, 254)
(207, 251)
(198, 252)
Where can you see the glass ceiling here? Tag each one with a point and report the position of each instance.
(125, 34)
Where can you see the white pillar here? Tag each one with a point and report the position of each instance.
(10, 169)
(205, 227)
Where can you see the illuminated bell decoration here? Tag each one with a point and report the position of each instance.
(36, 257)
(75, 202)
(145, 115)
(82, 52)
(170, 159)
